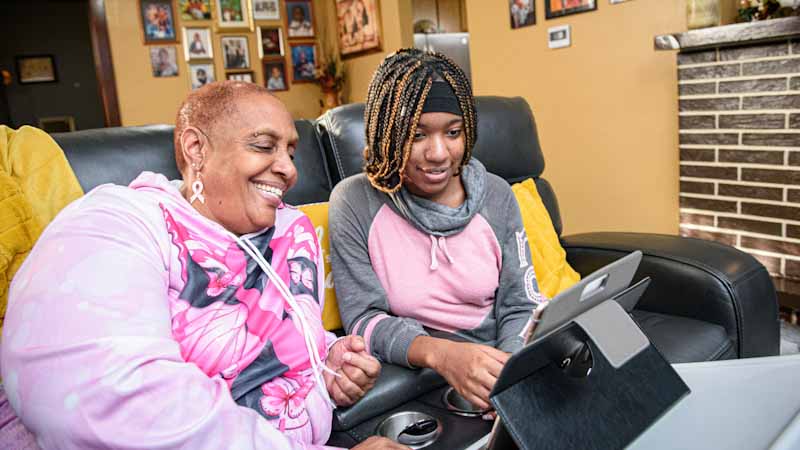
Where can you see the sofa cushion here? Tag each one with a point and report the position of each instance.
(553, 273)
(118, 155)
(318, 213)
(682, 340)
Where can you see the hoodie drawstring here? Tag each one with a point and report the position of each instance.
(317, 366)
(436, 244)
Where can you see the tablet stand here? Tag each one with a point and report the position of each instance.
(594, 383)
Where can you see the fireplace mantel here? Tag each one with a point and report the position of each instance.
(729, 35)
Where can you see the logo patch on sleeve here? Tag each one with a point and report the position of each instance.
(522, 248)
(531, 287)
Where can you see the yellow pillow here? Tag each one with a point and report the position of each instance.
(318, 213)
(553, 273)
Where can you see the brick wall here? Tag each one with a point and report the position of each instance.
(740, 150)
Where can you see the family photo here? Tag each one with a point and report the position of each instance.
(164, 61)
(201, 74)
(558, 8)
(271, 40)
(300, 19)
(358, 26)
(523, 13)
(233, 14)
(266, 10)
(158, 21)
(195, 9)
(275, 74)
(237, 55)
(197, 43)
(304, 62)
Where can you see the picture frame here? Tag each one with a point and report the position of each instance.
(36, 69)
(358, 27)
(248, 76)
(191, 10)
(56, 124)
(275, 75)
(559, 8)
(270, 41)
(158, 21)
(234, 14)
(197, 43)
(299, 19)
(201, 74)
(522, 13)
(266, 10)
(235, 52)
(304, 61)
(164, 61)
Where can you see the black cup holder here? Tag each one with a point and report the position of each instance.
(411, 428)
(457, 404)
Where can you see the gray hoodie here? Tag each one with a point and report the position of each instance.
(401, 263)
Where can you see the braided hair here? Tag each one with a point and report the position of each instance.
(394, 104)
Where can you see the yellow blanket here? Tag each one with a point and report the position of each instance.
(36, 182)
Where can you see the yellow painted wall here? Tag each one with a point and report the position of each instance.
(145, 99)
(606, 108)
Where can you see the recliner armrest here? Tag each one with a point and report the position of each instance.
(395, 385)
(693, 278)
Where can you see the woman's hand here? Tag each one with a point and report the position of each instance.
(357, 370)
(472, 369)
(379, 443)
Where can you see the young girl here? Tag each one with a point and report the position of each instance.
(426, 237)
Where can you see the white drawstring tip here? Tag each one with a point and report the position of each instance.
(330, 371)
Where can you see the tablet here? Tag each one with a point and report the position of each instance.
(602, 285)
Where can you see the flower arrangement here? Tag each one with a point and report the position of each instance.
(330, 74)
(751, 10)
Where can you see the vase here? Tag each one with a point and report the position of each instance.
(330, 99)
(702, 13)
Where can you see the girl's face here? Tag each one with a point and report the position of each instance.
(433, 165)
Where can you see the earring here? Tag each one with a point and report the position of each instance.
(197, 188)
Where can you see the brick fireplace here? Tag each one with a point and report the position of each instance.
(739, 119)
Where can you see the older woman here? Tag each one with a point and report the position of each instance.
(184, 315)
(426, 237)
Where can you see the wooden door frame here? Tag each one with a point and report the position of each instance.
(103, 63)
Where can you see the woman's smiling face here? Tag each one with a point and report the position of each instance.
(250, 164)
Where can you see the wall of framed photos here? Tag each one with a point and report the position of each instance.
(606, 107)
(146, 98)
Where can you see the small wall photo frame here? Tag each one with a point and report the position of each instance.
(164, 61)
(266, 10)
(275, 75)
(234, 14)
(559, 8)
(304, 61)
(194, 9)
(197, 44)
(158, 21)
(522, 12)
(299, 19)
(270, 41)
(358, 27)
(235, 52)
(201, 74)
(241, 76)
(36, 69)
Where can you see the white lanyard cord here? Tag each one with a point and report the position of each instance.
(311, 346)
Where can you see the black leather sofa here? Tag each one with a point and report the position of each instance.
(707, 301)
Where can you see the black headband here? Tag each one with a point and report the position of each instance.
(441, 98)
